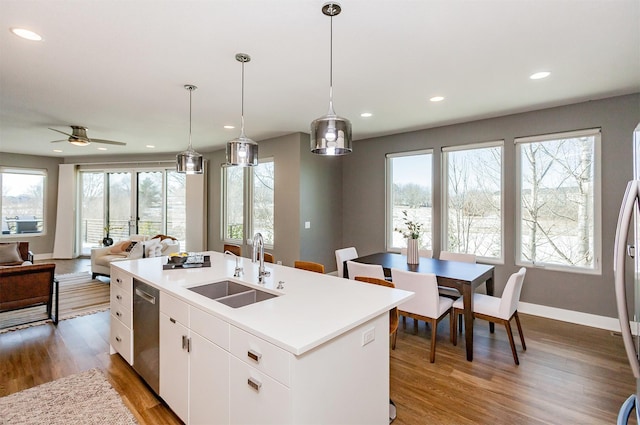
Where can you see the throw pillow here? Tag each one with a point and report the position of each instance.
(152, 247)
(136, 252)
(118, 248)
(9, 253)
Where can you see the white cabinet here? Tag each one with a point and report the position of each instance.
(194, 371)
(121, 334)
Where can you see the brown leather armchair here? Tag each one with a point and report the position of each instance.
(28, 286)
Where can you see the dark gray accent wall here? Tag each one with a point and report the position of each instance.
(364, 191)
(38, 243)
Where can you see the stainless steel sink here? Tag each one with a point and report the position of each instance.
(232, 293)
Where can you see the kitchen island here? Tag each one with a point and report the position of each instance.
(317, 352)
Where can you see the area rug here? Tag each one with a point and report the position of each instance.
(79, 295)
(83, 398)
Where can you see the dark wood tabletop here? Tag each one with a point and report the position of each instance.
(465, 277)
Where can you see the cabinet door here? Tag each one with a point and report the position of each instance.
(174, 366)
(208, 383)
(255, 397)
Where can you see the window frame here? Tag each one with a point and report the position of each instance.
(597, 201)
(444, 195)
(389, 228)
(34, 172)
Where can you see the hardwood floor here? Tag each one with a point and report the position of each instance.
(570, 374)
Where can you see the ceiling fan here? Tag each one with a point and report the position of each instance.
(79, 137)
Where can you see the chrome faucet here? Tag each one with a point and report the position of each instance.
(239, 270)
(258, 242)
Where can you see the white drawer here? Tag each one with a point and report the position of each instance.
(121, 339)
(210, 327)
(123, 314)
(261, 354)
(174, 308)
(121, 280)
(256, 398)
(121, 298)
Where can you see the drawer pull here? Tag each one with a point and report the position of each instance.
(254, 383)
(119, 297)
(118, 314)
(254, 355)
(118, 280)
(118, 339)
(172, 320)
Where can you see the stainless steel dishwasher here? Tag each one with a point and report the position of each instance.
(146, 333)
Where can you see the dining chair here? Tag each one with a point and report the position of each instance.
(424, 253)
(343, 255)
(454, 256)
(393, 313)
(362, 269)
(268, 258)
(235, 249)
(498, 310)
(309, 265)
(427, 304)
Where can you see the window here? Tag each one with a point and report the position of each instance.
(472, 206)
(559, 201)
(409, 186)
(248, 197)
(22, 202)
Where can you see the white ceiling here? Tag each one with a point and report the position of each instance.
(118, 67)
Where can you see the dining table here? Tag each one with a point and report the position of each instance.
(465, 277)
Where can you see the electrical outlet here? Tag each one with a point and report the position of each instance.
(368, 336)
(307, 225)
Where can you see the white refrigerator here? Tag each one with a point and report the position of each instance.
(629, 221)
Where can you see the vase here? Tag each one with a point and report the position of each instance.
(413, 255)
(107, 241)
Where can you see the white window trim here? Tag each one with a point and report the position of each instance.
(597, 201)
(34, 172)
(388, 211)
(444, 195)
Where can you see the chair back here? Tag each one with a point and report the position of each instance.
(458, 256)
(393, 313)
(268, 258)
(511, 294)
(361, 269)
(426, 301)
(235, 249)
(309, 266)
(343, 255)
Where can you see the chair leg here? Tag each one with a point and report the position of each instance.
(394, 337)
(404, 323)
(524, 346)
(415, 326)
(452, 325)
(454, 335)
(507, 325)
(434, 329)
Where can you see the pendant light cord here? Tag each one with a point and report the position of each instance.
(242, 104)
(331, 112)
(190, 92)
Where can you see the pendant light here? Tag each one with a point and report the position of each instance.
(189, 161)
(242, 151)
(331, 134)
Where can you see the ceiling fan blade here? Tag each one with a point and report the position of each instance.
(66, 134)
(56, 141)
(107, 142)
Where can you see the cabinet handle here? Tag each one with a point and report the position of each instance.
(172, 320)
(118, 314)
(254, 383)
(118, 339)
(119, 297)
(184, 342)
(118, 280)
(254, 355)
(188, 345)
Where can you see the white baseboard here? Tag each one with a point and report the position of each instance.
(48, 256)
(586, 319)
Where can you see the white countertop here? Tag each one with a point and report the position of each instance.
(312, 308)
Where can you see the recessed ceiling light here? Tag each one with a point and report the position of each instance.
(102, 149)
(540, 75)
(150, 146)
(366, 114)
(229, 127)
(437, 99)
(58, 150)
(26, 34)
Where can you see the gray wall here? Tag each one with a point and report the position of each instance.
(364, 191)
(38, 243)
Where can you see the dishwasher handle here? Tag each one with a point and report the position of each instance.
(147, 297)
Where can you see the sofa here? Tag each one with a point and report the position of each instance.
(28, 286)
(137, 246)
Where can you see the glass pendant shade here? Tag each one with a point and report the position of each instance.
(331, 135)
(189, 162)
(242, 152)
